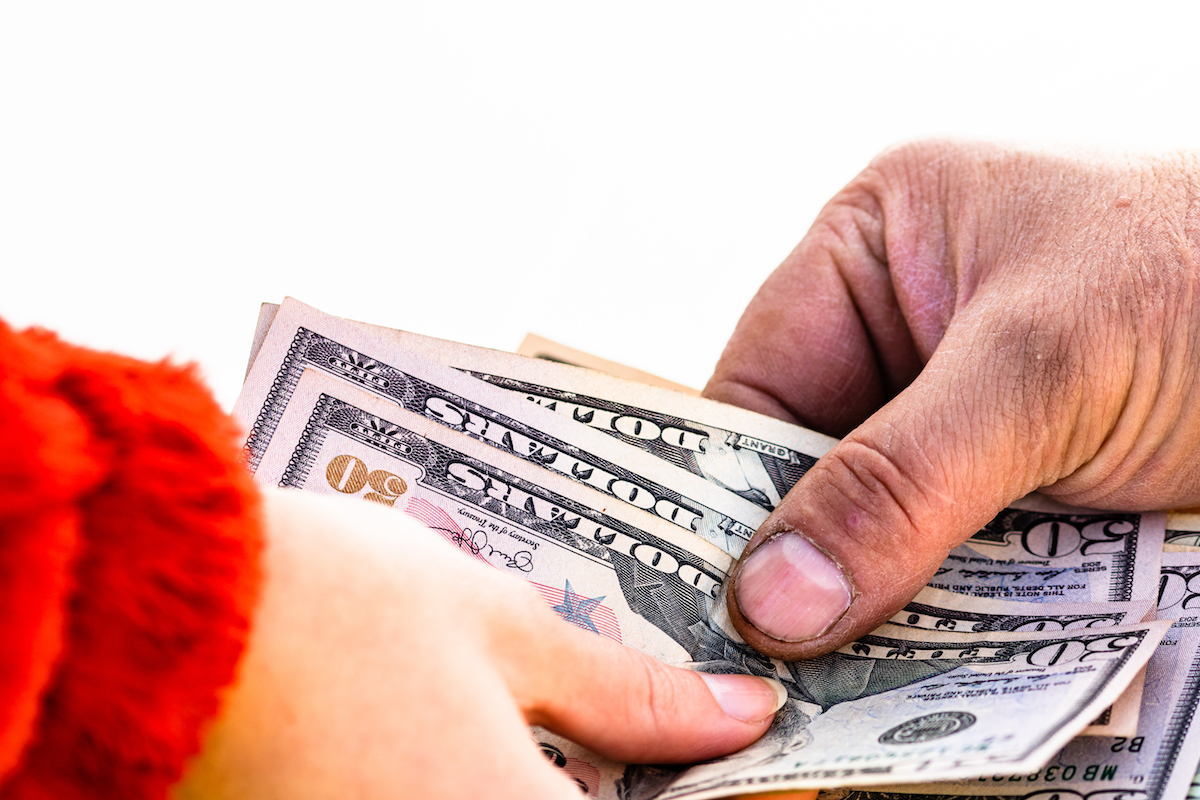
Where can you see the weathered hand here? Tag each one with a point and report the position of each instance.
(384, 663)
(978, 322)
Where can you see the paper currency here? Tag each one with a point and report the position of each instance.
(632, 576)
(303, 338)
(937, 610)
(1156, 764)
(967, 680)
(1040, 551)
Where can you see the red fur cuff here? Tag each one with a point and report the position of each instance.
(129, 559)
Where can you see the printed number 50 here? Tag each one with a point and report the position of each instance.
(350, 475)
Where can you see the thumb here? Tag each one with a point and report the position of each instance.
(630, 707)
(988, 420)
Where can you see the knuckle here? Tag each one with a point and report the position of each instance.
(917, 169)
(851, 228)
(656, 698)
(881, 504)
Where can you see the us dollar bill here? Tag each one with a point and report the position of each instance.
(924, 694)
(302, 337)
(937, 610)
(1040, 551)
(1157, 763)
(872, 710)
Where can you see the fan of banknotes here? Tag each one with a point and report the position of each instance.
(1055, 654)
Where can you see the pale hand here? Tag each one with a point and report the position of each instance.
(383, 662)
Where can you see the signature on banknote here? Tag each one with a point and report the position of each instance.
(476, 543)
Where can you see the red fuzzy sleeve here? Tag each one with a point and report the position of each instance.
(129, 544)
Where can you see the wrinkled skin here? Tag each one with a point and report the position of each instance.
(977, 321)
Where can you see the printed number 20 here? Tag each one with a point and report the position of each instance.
(350, 475)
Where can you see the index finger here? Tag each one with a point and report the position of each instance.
(824, 342)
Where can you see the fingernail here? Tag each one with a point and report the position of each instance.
(790, 590)
(746, 697)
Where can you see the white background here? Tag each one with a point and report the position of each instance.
(617, 176)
